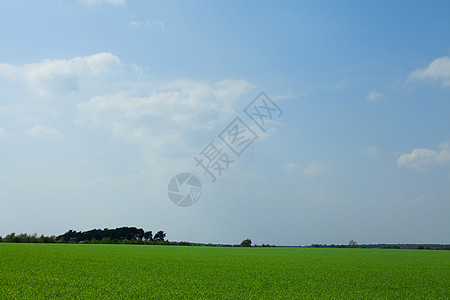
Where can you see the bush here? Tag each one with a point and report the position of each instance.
(106, 240)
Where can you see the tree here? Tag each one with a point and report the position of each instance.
(41, 238)
(23, 238)
(34, 238)
(352, 244)
(159, 236)
(246, 243)
(9, 237)
(148, 236)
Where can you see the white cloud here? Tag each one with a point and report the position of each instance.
(374, 96)
(167, 117)
(61, 76)
(148, 24)
(439, 69)
(99, 2)
(315, 168)
(421, 158)
(291, 166)
(370, 151)
(3, 133)
(140, 70)
(312, 169)
(43, 131)
(194, 104)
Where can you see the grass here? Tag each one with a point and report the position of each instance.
(43, 271)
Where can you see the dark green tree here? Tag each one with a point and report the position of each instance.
(9, 237)
(352, 244)
(148, 236)
(159, 236)
(246, 243)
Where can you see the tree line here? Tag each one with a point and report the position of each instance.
(353, 244)
(122, 235)
(115, 235)
(133, 235)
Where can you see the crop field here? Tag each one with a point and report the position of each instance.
(80, 271)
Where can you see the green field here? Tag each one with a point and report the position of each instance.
(166, 272)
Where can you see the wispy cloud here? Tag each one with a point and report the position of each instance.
(147, 24)
(439, 69)
(291, 95)
(291, 166)
(54, 77)
(43, 131)
(3, 133)
(370, 151)
(167, 117)
(422, 158)
(315, 168)
(99, 2)
(312, 169)
(374, 96)
(192, 104)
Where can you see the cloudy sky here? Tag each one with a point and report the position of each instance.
(102, 102)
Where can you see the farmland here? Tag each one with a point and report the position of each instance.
(165, 272)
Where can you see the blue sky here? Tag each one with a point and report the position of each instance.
(103, 102)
